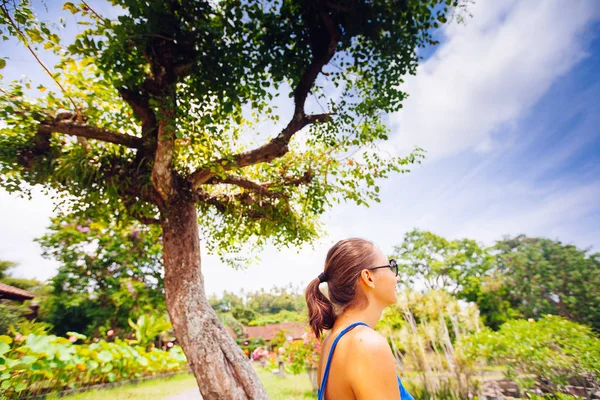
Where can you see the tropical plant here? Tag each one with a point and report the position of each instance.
(547, 354)
(37, 364)
(151, 112)
(148, 327)
(425, 342)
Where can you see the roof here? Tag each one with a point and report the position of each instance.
(268, 332)
(13, 293)
(231, 331)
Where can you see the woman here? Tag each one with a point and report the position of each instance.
(361, 283)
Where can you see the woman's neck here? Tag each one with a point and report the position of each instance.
(369, 315)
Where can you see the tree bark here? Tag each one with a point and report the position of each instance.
(219, 365)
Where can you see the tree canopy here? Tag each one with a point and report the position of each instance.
(205, 74)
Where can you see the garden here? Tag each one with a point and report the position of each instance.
(157, 132)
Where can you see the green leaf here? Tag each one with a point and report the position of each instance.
(2, 63)
(4, 348)
(71, 7)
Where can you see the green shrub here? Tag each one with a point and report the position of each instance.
(548, 353)
(35, 364)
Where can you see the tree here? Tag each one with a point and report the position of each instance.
(544, 276)
(4, 267)
(158, 101)
(462, 267)
(110, 272)
(275, 300)
(439, 263)
(226, 303)
(243, 314)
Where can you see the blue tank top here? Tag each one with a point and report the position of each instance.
(404, 395)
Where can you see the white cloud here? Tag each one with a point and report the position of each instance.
(487, 73)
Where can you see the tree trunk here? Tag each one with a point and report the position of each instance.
(221, 368)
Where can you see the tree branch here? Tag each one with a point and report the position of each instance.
(278, 146)
(65, 123)
(221, 203)
(262, 189)
(275, 148)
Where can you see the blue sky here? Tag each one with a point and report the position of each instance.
(507, 109)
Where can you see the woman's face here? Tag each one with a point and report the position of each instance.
(386, 279)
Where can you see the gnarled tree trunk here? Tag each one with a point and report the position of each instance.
(221, 368)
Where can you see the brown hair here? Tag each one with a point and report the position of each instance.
(343, 265)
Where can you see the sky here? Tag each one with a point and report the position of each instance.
(507, 108)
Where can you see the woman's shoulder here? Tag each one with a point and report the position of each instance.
(368, 342)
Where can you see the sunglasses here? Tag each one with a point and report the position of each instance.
(393, 265)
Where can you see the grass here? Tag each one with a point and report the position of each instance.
(292, 387)
(146, 390)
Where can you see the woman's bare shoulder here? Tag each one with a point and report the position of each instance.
(373, 371)
(368, 339)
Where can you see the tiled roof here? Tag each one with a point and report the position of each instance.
(13, 293)
(267, 332)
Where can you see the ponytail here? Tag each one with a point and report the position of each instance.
(320, 309)
(343, 264)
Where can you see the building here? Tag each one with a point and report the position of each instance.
(268, 332)
(12, 293)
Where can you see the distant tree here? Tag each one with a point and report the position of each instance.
(275, 300)
(462, 267)
(439, 263)
(4, 267)
(109, 272)
(243, 314)
(226, 302)
(150, 114)
(544, 276)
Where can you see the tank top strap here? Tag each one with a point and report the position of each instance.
(326, 374)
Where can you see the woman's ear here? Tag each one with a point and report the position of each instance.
(366, 278)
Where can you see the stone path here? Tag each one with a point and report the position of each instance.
(192, 394)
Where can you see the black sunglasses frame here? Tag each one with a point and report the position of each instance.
(393, 266)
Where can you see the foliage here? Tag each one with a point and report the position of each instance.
(440, 263)
(243, 314)
(9, 315)
(303, 354)
(225, 303)
(110, 272)
(275, 300)
(543, 276)
(148, 327)
(462, 267)
(206, 73)
(281, 316)
(278, 340)
(4, 267)
(547, 353)
(35, 364)
(423, 330)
